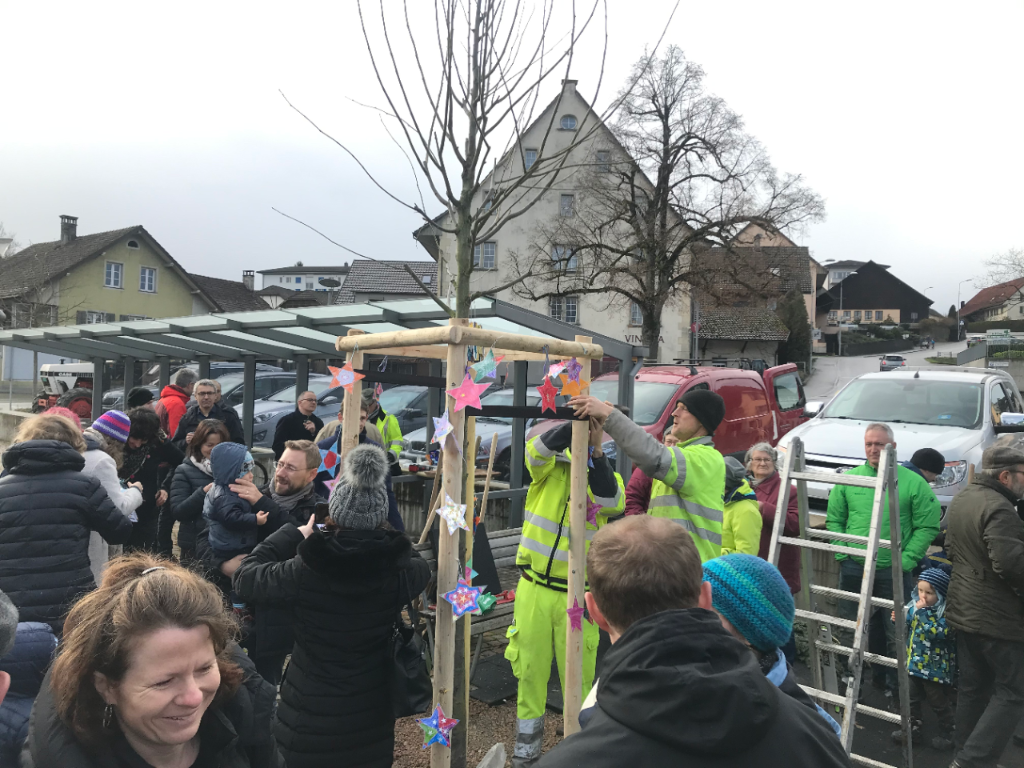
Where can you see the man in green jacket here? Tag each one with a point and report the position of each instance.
(849, 511)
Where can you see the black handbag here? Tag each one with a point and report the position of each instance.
(412, 691)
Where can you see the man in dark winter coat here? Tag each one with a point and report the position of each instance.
(300, 424)
(676, 688)
(206, 407)
(985, 604)
(24, 665)
(291, 498)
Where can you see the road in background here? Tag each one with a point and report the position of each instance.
(833, 373)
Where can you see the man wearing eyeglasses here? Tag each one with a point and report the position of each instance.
(849, 511)
(985, 604)
(207, 407)
(301, 424)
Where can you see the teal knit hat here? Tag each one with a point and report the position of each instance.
(753, 596)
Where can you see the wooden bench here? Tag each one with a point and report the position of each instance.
(504, 545)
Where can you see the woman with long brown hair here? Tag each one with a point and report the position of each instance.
(47, 509)
(192, 480)
(148, 674)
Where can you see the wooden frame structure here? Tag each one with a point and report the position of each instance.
(450, 343)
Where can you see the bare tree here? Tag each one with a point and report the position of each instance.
(678, 176)
(1004, 267)
(9, 244)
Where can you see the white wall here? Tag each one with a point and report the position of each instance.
(308, 281)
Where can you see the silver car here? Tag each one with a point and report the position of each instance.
(891, 362)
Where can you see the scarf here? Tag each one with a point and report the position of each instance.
(202, 466)
(754, 482)
(134, 458)
(287, 504)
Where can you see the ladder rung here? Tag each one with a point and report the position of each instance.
(838, 549)
(874, 658)
(835, 478)
(848, 537)
(824, 618)
(878, 602)
(834, 698)
(860, 759)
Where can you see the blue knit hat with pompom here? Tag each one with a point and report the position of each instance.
(752, 595)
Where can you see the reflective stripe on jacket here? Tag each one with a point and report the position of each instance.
(690, 492)
(741, 524)
(544, 547)
(391, 432)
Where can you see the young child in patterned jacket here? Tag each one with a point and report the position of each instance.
(931, 657)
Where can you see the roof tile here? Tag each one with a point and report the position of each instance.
(229, 295)
(742, 323)
(385, 277)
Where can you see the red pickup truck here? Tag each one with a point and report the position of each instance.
(757, 407)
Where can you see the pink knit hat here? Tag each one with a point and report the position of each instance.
(67, 413)
(113, 424)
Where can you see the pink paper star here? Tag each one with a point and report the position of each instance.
(555, 369)
(329, 484)
(592, 509)
(467, 393)
(345, 376)
(547, 392)
(575, 616)
(463, 599)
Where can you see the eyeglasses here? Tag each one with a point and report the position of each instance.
(288, 468)
(308, 400)
(205, 393)
(760, 461)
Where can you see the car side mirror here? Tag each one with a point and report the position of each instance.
(812, 408)
(413, 413)
(1009, 422)
(330, 400)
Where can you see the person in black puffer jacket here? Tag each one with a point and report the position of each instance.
(191, 479)
(47, 508)
(26, 664)
(149, 458)
(345, 587)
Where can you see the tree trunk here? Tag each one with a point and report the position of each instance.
(652, 333)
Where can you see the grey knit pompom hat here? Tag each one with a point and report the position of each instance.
(359, 500)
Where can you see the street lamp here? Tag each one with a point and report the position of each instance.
(969, 279)
(841, 312)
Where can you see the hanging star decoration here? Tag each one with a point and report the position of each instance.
(467, 393)
(575, 616)
(329, 460)
(437, 729)
(470, 573)
(442, 427)
(487, 368)
(463, 599)
(592, 509)
(453, 514)
(555, 369)
(345, 376)
(590, 457)
(573, 368)
(378, 390)
(329, 484)
(572, 388)
(547, 392)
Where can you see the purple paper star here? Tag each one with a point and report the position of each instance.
(592, 509)
(329, 484)
(575, 616)
(463, 599)
(442, 428)
(573, 368)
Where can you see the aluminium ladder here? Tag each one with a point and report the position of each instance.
(823, 647)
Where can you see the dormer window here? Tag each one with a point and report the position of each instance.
(133, 244)
(568, 123)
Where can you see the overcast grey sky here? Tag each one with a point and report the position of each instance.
(905, 116)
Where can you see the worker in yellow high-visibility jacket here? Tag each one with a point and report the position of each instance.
(538, 631)
(387, 424)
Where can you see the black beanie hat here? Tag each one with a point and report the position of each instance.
(138, 396)
(706, 406)
(929, 460)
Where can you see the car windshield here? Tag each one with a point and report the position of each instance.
(287, 395)
(504, 397)
(650, 398)
(910, 401)
(229, 382)
(399, 398)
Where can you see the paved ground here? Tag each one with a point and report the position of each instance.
(832, 373)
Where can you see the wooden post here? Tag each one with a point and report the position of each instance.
(352, 403)
(448, 555)
(463, 635)
(572, 695)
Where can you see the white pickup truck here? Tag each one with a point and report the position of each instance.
(957, 411)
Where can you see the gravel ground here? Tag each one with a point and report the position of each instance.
(487, 726)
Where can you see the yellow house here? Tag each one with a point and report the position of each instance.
(112, 276)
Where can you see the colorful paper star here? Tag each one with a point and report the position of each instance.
(329, 484)
(453, 514)
(442, 428)
(573, 368)
(592, 509)
(437, 729)
(572, 388)
(467, 393)
(487, 368)
(329, 461)
(575, 616)
(345, 376)
(463, 599)
(555, 369)
(547, 392)
(470, 573)
(379, 390)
